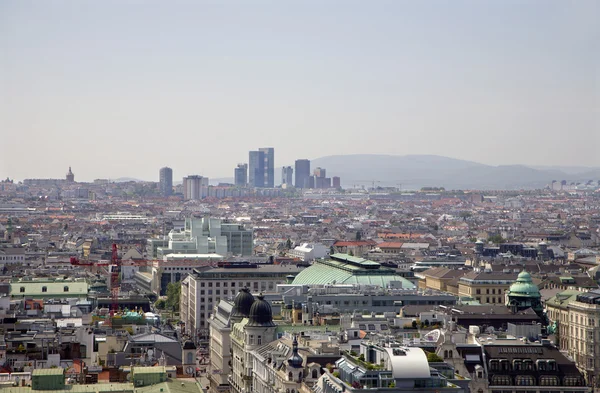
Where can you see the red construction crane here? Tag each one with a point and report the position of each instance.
(115, 280)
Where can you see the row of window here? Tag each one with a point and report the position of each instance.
(254, 285)
(45, 289)
(530, 380)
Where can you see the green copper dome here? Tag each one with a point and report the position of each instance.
(524, 286)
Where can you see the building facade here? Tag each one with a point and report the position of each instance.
(256, 169)
(240, 175)
(165, 181)
(287, 173)
(195, 187)
(575, 322)
(203, 289)
(302, 169)
(269, 166)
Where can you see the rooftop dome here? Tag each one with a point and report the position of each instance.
(189, 345)
(242, 303)
(261, 313)
(524, 286)
(296, 360)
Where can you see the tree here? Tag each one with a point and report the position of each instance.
(173, 296)
(426, 322)
(432, 357)
(331, 250)
(496, 239)
(351, 253)
(288, 244)
(160, 304)
(414, 324)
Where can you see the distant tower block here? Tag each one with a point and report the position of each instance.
(70, 176)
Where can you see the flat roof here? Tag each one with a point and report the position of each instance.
(48, 371)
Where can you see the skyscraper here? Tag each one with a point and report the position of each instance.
(240, 175)
(336, 182)
(302, 173)
(287, 173)
(165, 181)
(195, 187)
(269, 166)
(256, 169)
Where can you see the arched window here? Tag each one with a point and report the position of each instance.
(190, 358)
(66, 289)
(290, 377)
(315, 373)
(44, 289)
(445, 354)
(22, 289)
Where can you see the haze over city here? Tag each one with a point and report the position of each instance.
(119, 89)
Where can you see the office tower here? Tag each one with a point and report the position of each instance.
(337, 182)
(165, 181)
(195, 187)
(241, 175)
(319, 172)
(310, 183)
(256, 169)
(269, 166)
(302, 173)
(287, 173)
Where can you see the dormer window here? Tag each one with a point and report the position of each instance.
(44, 289)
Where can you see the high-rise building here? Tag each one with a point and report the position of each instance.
(70, 176)
(165, 181)
(302, 173)
(269, 166)
(320, 172)
(241, 175)
(287, 173)
(195, 187)
(336, 182)
(256, 168)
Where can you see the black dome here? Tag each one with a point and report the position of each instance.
(296, 360)
(260, 313)
(242, 303)
(189, 345)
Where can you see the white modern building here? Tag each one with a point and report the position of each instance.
(204, 236)
(309, 251)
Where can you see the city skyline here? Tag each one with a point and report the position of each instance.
(394, 78)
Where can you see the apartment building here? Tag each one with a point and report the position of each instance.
(486, 287)
(202, 290)
(575, 318)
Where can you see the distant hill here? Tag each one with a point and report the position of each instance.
(416, 171)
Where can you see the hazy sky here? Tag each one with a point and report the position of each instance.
(121, 88)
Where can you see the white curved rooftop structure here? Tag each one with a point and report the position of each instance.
(408, 363)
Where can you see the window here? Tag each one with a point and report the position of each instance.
(548, 380)
(525, 380)
(259, 340)
(251, 339)
(22, 289)
(315, 374)
(502, 380)
(290, 378)
(65, 289)
(572, 381)
(44, 289)
(478, 291)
